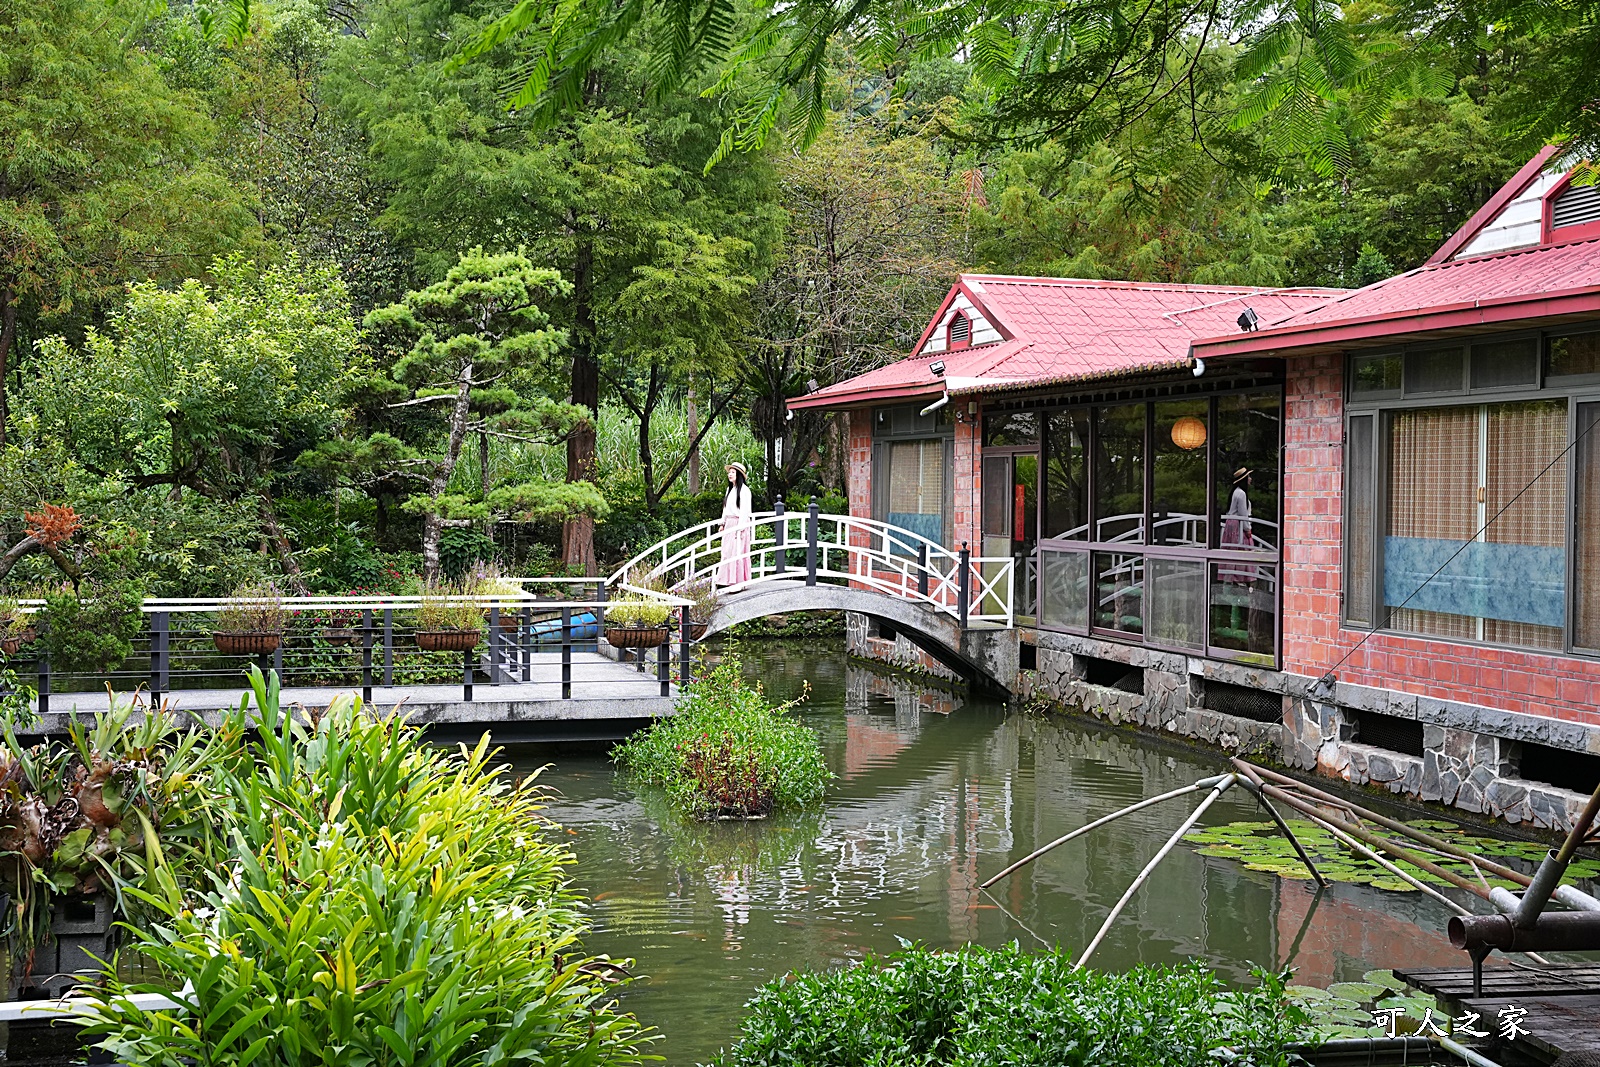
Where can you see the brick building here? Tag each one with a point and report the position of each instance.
(1356, 529)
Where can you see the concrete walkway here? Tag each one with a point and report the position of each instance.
(609, 699)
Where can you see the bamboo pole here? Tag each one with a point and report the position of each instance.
(1194, 817)
(1254, 784)
(1204, 783)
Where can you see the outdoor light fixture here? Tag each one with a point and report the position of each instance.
(811, 385)
(937, 366)
(1189, 433)
(1248, 320)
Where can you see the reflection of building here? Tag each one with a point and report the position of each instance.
(1217, 496)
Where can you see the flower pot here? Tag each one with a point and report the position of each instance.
(636, 636)
(509, 618)
(255, 643)
(13, 643)
(339, 636)
(697, 630)
(448, 640)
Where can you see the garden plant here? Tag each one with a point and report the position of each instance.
(729, 752)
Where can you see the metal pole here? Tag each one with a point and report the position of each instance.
(783, 537)
(494, 645)
(811, 543)
(963, 591)
(158, 657)
(525, 638)
(388, 646)
(1204, 783)
(922, 569)
(44, 683)
(366, 656)
(683, 645)
(466, 675)
(663, 659)
(277, 660)
(1172, 842)
(566, 653)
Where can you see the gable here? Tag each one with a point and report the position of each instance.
(1519, 224)
(983, 331)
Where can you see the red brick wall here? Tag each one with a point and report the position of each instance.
(1566, 687)
(968, 515)
(859, 471)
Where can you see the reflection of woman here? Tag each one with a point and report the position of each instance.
(1236, 528)
(737, 529)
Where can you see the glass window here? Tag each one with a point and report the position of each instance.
(1249, 432)
(1177, 614)
(997, 498)
(1577, 354)
(1119, 473)
(1586, 565)
(1506, 364)
(916, 487)
(1375, 375)
(1119, 592)
(1244, 610)
(1011, 428)
(1178, 493)
(1066, 480)
(1436, 371)
(1475, 546)
(1358, 513)
(1064, 589)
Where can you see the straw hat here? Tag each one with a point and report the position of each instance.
(737, 466)
(1241, 474)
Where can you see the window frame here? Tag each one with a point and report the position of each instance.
(1574, 390)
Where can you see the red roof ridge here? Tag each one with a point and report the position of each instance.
(1491, 209)
(1123, 283)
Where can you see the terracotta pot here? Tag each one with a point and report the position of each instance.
(509, 619)
(13, 643)
(258, 643)
(636, 636)
(448, 640)
(697, 630)
(340, 636)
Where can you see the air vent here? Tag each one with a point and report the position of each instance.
(1390, 732)
(1558, 767)
(1241, 701)
(960, 330)
(1576, 205)
(1111, 674)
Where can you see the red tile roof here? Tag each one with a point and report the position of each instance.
(1518, 286)
(1060, 330)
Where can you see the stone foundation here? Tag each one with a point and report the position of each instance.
(1469, 757)
(863, 640)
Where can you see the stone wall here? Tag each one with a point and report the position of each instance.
(861, 640)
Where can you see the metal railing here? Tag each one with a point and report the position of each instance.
(813, 546)
(369, 640)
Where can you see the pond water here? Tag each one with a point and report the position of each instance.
(934, 794)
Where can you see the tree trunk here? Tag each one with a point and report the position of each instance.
(280, 542)
(693, 416)
(432, 523)
(647, 456)
(8, 337)
(483, 477)
(577, 533)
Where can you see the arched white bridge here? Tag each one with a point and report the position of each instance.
(948, 602)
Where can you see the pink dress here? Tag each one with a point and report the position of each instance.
(1236, 533)
(737, 530)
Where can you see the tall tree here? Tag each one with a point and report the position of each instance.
(105, 177)
(467, 341)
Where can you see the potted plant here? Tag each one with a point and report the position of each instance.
(448, 620)
(249, 623)
(16, 627)
(490, 582)
(340, 626)
(635, 622)
(704, 601)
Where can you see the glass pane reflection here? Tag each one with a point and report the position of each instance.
(1119, 592)
(1177, 615)
(1064, 600)
(1244, 610)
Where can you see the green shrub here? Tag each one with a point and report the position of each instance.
(383, 901)
(252, 609)
(728, 751)
(1005, 1006)
(92, 633)
(637, 613)
(443, 609)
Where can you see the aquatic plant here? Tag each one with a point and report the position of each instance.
(1345, 1009)
(990, 1006)
(728, 752)
(1261, 847)
(382, 901)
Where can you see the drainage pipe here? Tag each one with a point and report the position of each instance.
(1566, 931)
(1548, 877)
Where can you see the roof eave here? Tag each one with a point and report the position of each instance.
(859, 397)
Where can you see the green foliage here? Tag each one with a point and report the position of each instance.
(983, 1006)
(90, 630)
(1345, 1009)
(382, 901)
(1260, 846)
(461, 547)
(444, 607)
(728, 751)
(637, 613)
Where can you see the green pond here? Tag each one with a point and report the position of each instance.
(935, 793)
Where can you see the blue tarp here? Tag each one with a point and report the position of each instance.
(1518, 583)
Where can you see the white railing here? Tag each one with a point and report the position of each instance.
(866, 553)
(1173, 529)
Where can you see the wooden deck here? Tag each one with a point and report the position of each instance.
(1557, 1005)
(1455, 983)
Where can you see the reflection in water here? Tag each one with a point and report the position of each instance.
(930, 800)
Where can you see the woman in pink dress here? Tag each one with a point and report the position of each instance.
(1236, 532)
(738, 527)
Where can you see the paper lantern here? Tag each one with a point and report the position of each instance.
(1189, 433)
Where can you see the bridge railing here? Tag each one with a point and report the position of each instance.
(529, 638)
(812, 546)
